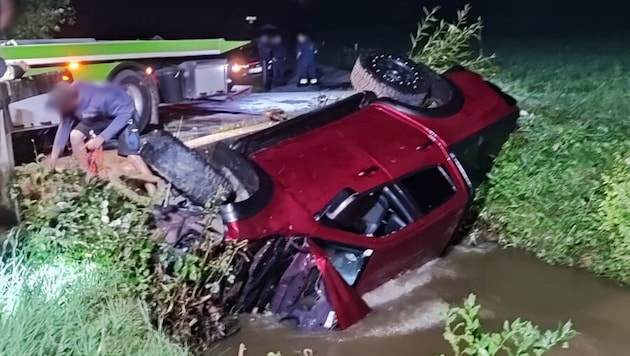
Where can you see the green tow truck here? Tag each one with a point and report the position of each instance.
(153, 71)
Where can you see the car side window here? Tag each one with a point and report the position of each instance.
(386, 210)
(352, 215)
(377, 213)
(429, 188)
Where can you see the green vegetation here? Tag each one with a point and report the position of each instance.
(466, 335)
(42, 18)
(65, 215)
(441, 44)
(61, 309)
(71, 220)
(560, 187)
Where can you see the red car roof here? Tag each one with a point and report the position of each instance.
(316, 156)
(315, 166)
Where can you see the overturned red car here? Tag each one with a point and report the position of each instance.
(338, 201)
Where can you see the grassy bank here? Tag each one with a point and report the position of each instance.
(73, 309)
(68, 220)
(561, 186)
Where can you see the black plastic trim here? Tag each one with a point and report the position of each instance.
(232, 212)
(299, 125)
(508, 98)
(500, 130)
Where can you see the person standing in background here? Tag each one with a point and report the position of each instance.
(263, 43)
(279, 53)
(306, 51)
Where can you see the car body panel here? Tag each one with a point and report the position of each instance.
(359, 148)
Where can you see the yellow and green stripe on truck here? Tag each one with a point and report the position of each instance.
(96, 61)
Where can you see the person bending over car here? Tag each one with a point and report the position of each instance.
(96, 113)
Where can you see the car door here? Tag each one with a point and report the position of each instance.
(436, 198)
(440, 200)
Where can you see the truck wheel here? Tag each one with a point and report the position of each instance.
(186, 169)
(144, 92)
(395, 77)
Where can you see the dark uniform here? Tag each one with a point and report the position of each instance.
(106, 110)
(264, 56)
(306, 51)
(279, 53)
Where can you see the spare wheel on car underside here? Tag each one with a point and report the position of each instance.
(391, 76)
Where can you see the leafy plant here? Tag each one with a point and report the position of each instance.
(42, 18)
(74, 219)
(441, 45)
(192, 291)
(67, 216)
(465, 334)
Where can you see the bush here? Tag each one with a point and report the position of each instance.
(466, 335)
(441, 45)
(69, 218)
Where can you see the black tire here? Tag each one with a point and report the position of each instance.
(390, 76)
(144, 92)
(186, 169)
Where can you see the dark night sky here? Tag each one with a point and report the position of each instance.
(115, 19)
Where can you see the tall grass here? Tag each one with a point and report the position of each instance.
(559, 187)
(59, 309)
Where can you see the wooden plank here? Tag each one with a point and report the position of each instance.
(220, 136)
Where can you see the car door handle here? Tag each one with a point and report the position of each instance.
(368, 171)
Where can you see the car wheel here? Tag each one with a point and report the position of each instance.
(184, 168)
(390, 76)
(144, 92)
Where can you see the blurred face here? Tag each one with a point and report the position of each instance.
(301, 38)
(70, 106)
(65, 98)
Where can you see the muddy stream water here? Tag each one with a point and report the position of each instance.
(508, 283)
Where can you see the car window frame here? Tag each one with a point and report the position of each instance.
(412, 200)
(420, 217)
